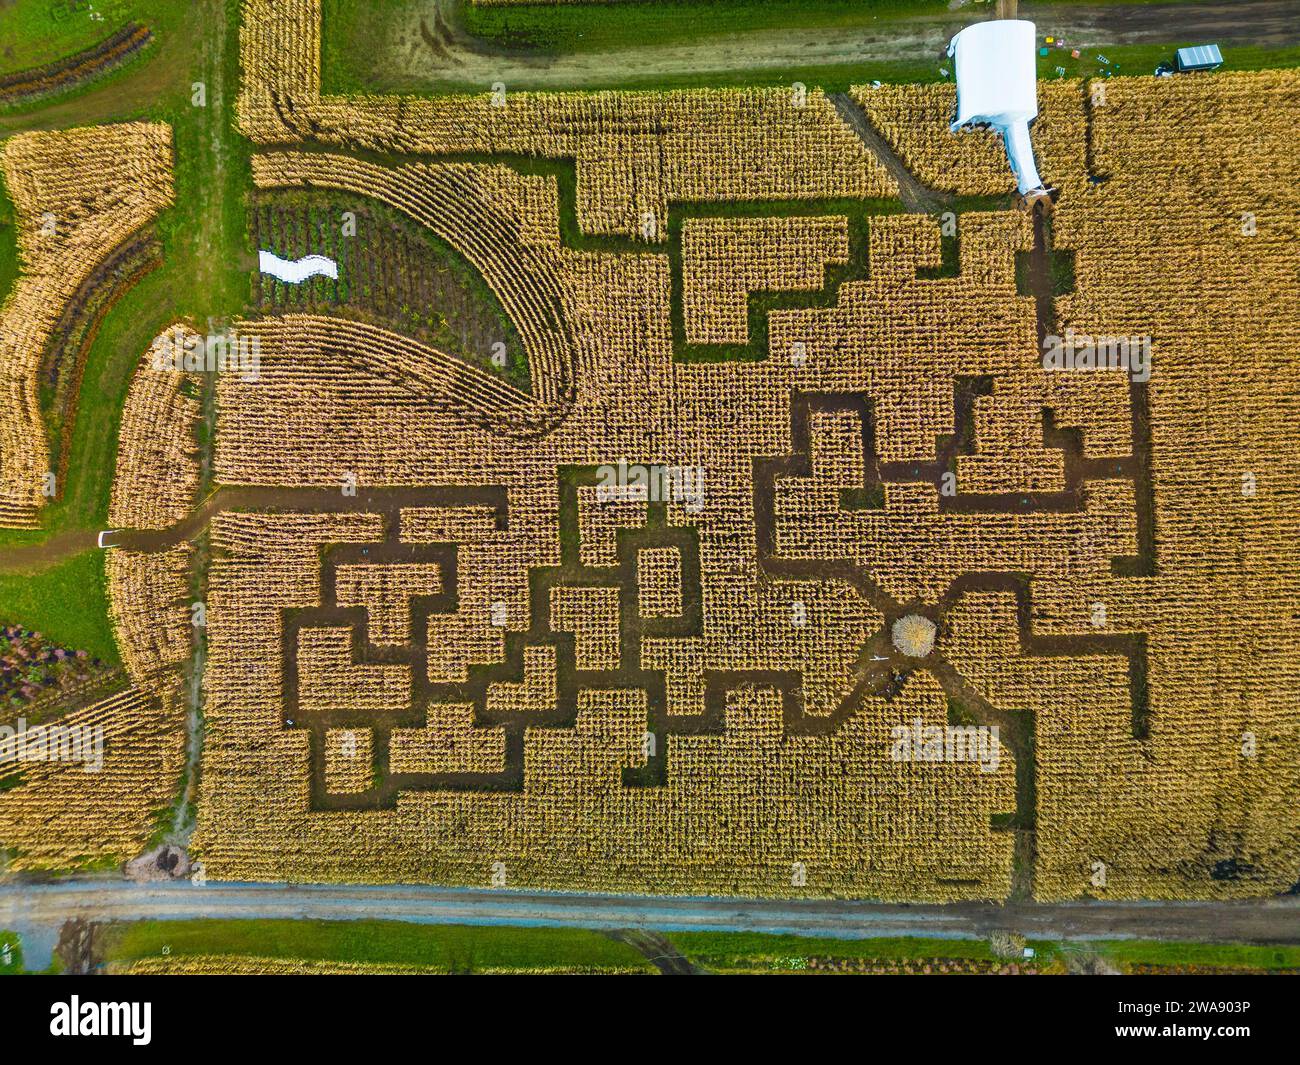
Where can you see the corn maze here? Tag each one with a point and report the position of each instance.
(775, 561)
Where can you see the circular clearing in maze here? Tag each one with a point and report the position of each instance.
(913, 635)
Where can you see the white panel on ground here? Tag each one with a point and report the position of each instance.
(296, 271)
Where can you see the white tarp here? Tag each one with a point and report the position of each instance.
(997, 85)
(296, 271)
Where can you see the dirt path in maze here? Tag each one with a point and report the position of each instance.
(918, 198)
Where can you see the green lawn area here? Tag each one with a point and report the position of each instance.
(456, 948)
(36, 32)
(178, 35)
(66, 603)
(594, 27)
(11, 954)
(1125, 60)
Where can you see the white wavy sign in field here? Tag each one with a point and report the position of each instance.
(296, 271)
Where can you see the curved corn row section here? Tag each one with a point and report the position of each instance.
(78, 195)
(459, 206)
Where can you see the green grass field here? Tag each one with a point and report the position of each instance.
(452, 948)
(602, 27)
(66, 603)
(36, 32)
(211, 153)
(355, 36)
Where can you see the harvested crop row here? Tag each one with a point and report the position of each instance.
(27, 85)
(150, 601)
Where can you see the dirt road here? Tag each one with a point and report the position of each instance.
(434, 49)
(37, 911)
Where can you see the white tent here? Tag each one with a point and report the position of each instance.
(997, 85)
